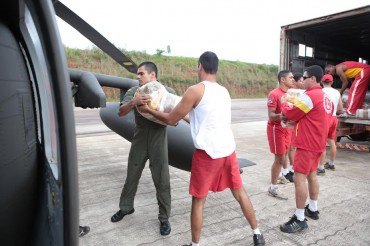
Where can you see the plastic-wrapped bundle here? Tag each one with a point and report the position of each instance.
(289, 98)
(291, 95)
(161, 100)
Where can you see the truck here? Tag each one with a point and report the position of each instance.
(331, 39)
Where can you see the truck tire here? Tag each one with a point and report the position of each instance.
(364, 136)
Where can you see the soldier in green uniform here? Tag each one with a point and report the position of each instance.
(149, 142)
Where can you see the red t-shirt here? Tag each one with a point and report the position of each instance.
(274, 101)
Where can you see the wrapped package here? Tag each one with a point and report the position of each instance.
(161, 100)
(290, 96)
(363, 114)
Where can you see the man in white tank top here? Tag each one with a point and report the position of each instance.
(335, 97)
(215, 165)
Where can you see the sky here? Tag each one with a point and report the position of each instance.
(236, 30)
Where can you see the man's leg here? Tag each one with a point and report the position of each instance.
(291, 151)
(357, 92)
(322, 158)
(313, 186)
(297, 222)
(305, 162)
(277, 142)
(311, 210)
(136, 163)
(158, 164)
(331, 141)
(276, 168)
(247, 208)
(300, 189)
(291, 154)
(161, 179)
(245, 204)
(333, 150)
(197, 206)
(320, 165)
(135, 166)
(275, 172)
(286, 171)
(287, 142)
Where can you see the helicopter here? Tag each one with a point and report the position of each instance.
(39, 177)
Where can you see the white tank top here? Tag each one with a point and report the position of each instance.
(210, 122)
(334, 96)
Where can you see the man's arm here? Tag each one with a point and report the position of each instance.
(340, 106)
(340, 72)
(186, 118)
(126, 108)
(189, 100)
(273, 116)
(292, 113)
(301, 106)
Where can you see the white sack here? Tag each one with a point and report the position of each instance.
(161, 99)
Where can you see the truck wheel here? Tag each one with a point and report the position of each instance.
(360, 136)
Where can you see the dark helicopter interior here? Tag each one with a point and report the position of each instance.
(38, 177)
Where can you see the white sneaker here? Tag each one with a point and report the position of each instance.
(276, 193)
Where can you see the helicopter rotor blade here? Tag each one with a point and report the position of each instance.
(94, 36)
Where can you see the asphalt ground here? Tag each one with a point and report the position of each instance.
(344, 197)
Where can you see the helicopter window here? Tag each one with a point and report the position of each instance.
(42, 82)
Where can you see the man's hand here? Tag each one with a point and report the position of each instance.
(143, 108)
(137, 100)
(140, 99)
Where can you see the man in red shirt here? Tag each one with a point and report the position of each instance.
(360, 72)
(278, 137)
(334, 95)
(311, 111)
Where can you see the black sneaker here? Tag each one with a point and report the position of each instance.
(294, 225)
(165, 228)
(258, 239)
(83, 230)
(289, 176)
(118, 216)
(312, 214)
(320, 172)
(329, 166)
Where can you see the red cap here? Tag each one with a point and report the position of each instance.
(327, 78)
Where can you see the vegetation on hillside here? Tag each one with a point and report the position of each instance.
(243, 80)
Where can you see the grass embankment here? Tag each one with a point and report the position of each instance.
(243, 80)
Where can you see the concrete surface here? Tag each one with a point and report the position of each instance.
(344, 198)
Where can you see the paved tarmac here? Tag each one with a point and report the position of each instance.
(344, 198)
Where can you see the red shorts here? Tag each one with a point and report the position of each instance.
(279, 139)
(209, 174)
(306, 161)
(333, 122)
